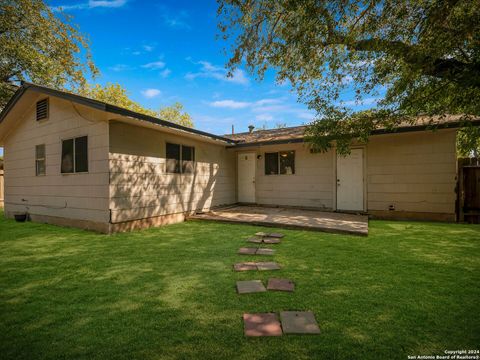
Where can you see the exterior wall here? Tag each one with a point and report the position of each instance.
(66, 199)
(414, 172)
(140, 188)
(311, 186)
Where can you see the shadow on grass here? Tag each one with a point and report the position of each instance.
(170, 292)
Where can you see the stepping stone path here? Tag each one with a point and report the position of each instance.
(262, 266)
(255, 251)
(263, 324)
(275, 235)
(299, 322)
(281, 285)
(245, 266)
(247, 251)
(270, 240)
(267, 324)
(250, 286)
(266, 240)
(263, 251)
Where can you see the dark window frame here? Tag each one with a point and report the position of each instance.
(181, 165)
(278, 168)
(74, 156)
(47, 110)
(39, 159)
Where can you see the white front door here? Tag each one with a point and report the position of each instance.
(350, 181)
(246, 177)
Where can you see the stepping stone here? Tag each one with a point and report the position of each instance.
(251, 286)
(281, 285)
(245, 266)
(263, 251)
(247, 251)
(299, 322)
(267, 266)
(269, 240)
(262, 324)
(261, 233)
(257, 240)
(276, 235)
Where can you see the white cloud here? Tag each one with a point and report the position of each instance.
(165, 73)
(258, 106)
(177, 20)
(306, 115)
(151, 93)
(119, 67)
(209, 70)
(148, 48)
(91, 4)
(264, 117)
(266, 102)
(154, 65)
(230, 104)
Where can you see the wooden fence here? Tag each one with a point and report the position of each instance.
(469, 191)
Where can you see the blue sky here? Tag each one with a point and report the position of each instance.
(166, 51)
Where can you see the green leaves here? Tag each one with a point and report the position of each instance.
(38, 46)
(425, 54)
(117, 95)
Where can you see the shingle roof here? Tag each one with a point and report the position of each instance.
(296, 134)
(102, 106)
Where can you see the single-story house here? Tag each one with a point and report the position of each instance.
(74, 161)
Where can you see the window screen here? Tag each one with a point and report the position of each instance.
(287, 162)
(188, 158)
(75, 155)
(173, 158)
(271, 163)
(67, 156)
(40, 160)
(81, 154)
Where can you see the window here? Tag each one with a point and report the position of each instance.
(188, 156)
(75, 155)
(287, 162)
(42, 109)
(173, 158)
(282, 162)
(271, 163)
(177, 155)
(40, 160)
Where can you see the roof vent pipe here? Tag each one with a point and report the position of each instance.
(250, 128)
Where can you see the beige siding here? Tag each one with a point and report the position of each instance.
(140, 187)
(73, 196)
(310, 186)
(415, 172)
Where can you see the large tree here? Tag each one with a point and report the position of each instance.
(40, 46)
(416, 56)
(115, 94)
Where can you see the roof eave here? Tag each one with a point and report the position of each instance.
(104, 107)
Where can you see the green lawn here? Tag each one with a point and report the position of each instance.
(169, 293)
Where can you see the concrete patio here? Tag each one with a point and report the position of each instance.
(289, 218)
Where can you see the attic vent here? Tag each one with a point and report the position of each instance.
(42, 109)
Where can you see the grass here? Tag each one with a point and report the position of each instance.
(169, 293)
